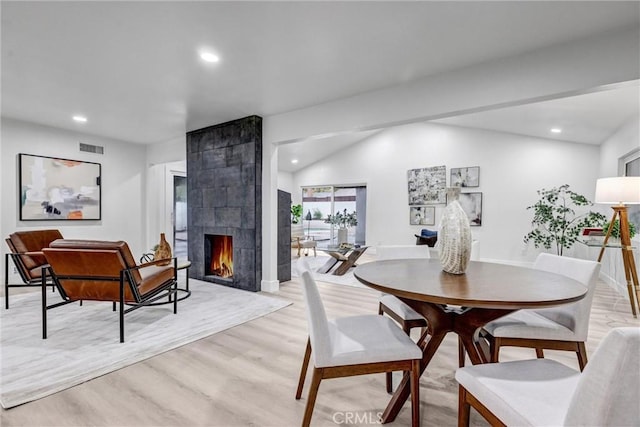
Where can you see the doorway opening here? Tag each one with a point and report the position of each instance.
(180, 231)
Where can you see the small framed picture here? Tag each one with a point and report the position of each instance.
(422, 215)
(472, 205)
(465, 177)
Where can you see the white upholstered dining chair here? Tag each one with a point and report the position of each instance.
(564, 327)
(355, 345)
(542, 392)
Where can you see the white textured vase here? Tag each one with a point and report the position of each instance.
(454, 239)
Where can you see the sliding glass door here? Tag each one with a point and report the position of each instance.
(319, 202)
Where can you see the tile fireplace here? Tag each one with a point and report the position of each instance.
(224, 184)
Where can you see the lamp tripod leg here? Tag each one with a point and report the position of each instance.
(630, 273)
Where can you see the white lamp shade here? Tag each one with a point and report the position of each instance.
(618, 190)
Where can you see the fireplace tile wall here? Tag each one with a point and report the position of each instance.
(224, 183)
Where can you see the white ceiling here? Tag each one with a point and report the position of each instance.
(132, 67)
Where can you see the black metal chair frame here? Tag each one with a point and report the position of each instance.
(20, 267)
(167, 290)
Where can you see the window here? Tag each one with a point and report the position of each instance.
(631, 167)
(319, 202)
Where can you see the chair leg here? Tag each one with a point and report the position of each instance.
(6, 282)
(539, 353)
(121, 314)
(415, 393)
(44, 309)
(582, 355)
(175, 297)
(462, 353)
(464, 409)
(311, 399)
(303, 371)
(389, 381)
(494, 348)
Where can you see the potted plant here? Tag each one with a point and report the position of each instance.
(296, 213)
(343, 221)
(615, 230)
(555, 222)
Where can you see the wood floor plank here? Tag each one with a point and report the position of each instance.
(247, 376)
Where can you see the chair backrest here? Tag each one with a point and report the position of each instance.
(318, 324)
(574, 316)
(402, 251)
(93, 258)
(121, 246)
(608, 392)
(87, 274)
(31, 241)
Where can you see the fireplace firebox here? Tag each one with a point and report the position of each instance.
(218, 252)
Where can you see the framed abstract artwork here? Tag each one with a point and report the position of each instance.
(58, 189)
(422, 215)
(472, 205)
(427, 185)
(465, 177)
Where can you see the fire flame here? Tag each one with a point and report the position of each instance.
(222, 256)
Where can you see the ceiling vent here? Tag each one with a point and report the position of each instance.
(88, 148)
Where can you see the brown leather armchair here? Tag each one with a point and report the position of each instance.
(26, 253)
(106, 271)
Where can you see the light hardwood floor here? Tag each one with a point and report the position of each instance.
(247, 376)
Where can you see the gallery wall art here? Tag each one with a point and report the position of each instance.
(472, 205)
(427, 185)
(58, 189)
(422, 215)
(465, 177)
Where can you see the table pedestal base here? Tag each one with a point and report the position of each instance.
(465, 322)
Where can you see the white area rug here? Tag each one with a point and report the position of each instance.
(318, 261)
(83, 342)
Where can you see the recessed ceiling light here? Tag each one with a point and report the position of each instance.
(209, 57)
(294, 161)
(80, 119)
(556, 130)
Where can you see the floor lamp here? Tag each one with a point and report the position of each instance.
(308, 218)
(621, 191)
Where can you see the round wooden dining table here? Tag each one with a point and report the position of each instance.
(462, 303)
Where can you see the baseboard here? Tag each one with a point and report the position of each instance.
(269, 286)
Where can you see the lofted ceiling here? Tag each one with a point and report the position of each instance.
(132, 68)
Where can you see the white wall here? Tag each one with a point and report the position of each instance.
(621, 143)
(512, 169)
(123, 182)
(285, 183)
